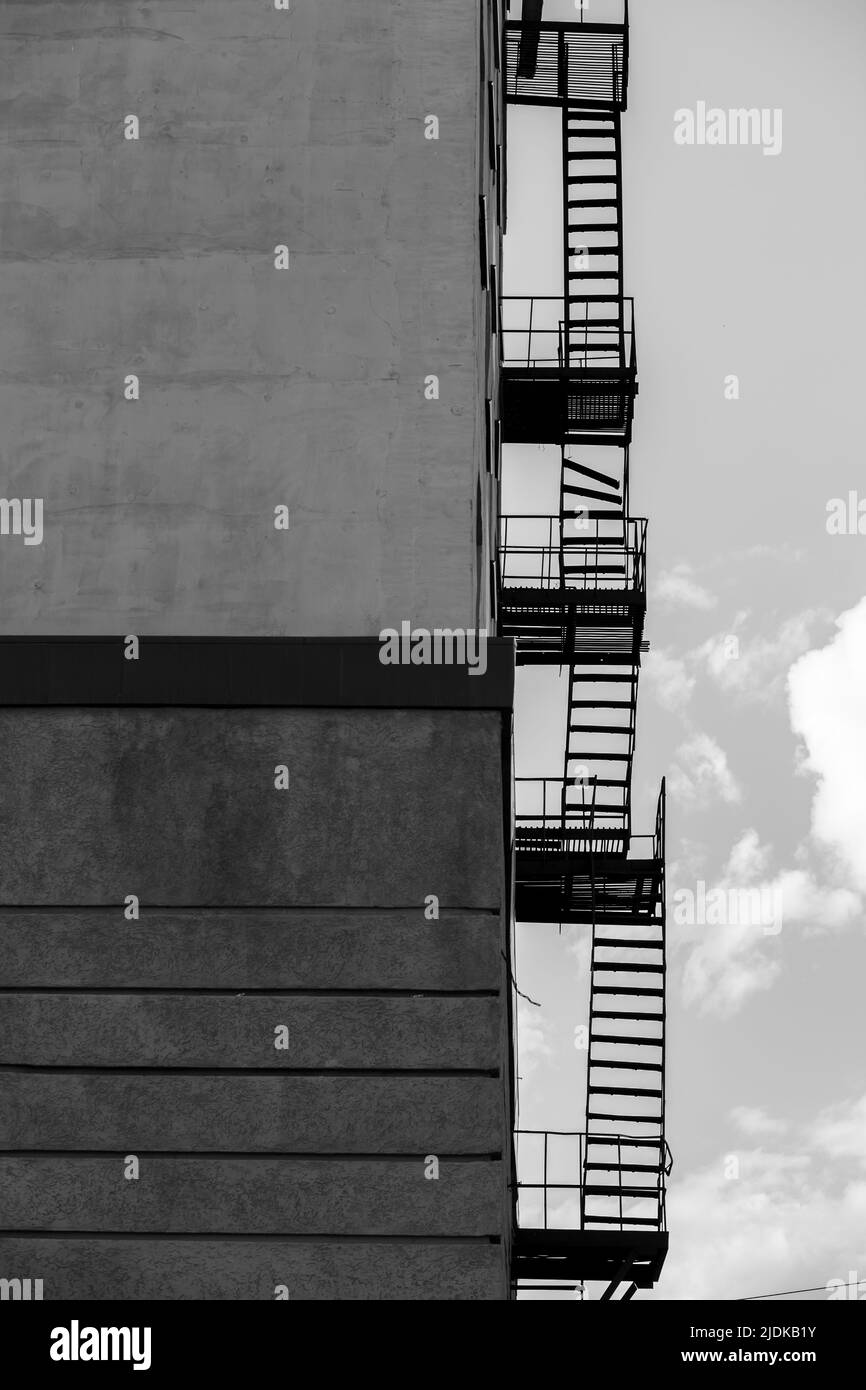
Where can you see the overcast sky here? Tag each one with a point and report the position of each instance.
(749, 265)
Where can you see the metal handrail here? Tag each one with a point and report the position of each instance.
(547, 1186)
(542, 560)
(564, 347)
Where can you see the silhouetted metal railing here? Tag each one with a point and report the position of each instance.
(535, 334)
(540, 552)
(560, 815)
(579, 62)
(551, 1165)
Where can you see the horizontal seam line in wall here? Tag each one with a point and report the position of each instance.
(242, 907)
(275, 1073)
(241, 992)
(226, 1235)
(298, 1156)
(301, 707)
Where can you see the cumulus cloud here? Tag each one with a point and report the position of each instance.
(756, 1123)
(841, 1132)
(735, 923)
(785, 1221)
(827, 694)
(755, 667)
(669, 680)
(677, 588)
(701, 776)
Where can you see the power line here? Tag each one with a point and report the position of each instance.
(817, 1288)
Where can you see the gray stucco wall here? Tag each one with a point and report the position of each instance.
(259, 387)
(154, 1038)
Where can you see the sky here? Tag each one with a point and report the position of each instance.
(753, 696)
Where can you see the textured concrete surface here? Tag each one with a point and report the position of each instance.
(314, 948)
(259, 387)
(179, 806)
(247, 1270)
(229, 1113)
(92, 1030)
(250, 1196)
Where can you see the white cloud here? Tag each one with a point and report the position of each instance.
(841, 1132)
(789, 1220)
(737, 958)
(668, 679)
(827, 691)
(533, 1038)
(754, 668)
(756, 1123)
(701, 775)
(677, 588)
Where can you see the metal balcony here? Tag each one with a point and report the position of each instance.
(568, 378)
(558, 1234)
(576, 859)
(578, 62)
(572, 585)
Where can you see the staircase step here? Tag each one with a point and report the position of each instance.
(593, 569)
(624, 1038)
(593, 275)
(590, 299)
(629, 967)
(625, 1120)
(593, 226)
(586, 179)
(610, 676)
(596, 753)
(593, 473)
(650, 1094)
(607, 132)
(627, 1066)
(627, 989)
(574, 491)
(600, 729)
(613, 325)
(592, 203)
(629, 941)
(590, 154)
(600, 704)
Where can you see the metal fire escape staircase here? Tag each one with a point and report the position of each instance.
(572, 592)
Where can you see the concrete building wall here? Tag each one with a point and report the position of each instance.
(259, 387)
(153, 1036)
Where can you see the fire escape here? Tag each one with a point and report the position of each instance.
(572, 592)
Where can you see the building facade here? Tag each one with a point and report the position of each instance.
(254, 889)
(262, 856)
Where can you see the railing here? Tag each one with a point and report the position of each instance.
(581, 62)
(560, 814)
(535, 335)
(535, 553)
(553, 1171)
